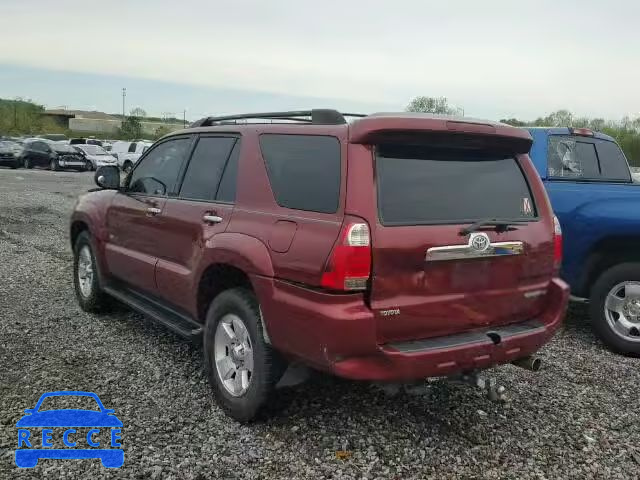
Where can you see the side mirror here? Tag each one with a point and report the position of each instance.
(108, 177)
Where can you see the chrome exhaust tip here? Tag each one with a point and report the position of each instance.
(531, 363)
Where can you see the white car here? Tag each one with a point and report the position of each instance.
(128, 153)
(97, 155)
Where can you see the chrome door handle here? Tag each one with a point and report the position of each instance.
(212, 219)
(153, 211)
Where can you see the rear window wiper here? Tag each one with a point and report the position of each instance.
(500, 225)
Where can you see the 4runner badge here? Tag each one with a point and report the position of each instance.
(479, 241)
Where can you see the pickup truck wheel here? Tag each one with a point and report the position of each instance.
(242, 368)
(85, 276)
(615, 308)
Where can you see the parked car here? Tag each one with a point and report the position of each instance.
(395, 248)
(592, 192)
(85, 141)
(39, 152)
(128, 153)
(54, 137)
(10, 153)
(96, 156)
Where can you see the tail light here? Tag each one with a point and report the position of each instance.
(557, 244)
(349, 265)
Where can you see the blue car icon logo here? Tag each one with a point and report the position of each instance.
(82, 433)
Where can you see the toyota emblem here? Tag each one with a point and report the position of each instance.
(479, 242)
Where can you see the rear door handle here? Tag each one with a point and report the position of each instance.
(212, 219)
(153, 211)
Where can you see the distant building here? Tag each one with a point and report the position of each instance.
(100, 122)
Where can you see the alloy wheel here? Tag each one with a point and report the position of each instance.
(233, 355)
(85, 271)
(622, 310)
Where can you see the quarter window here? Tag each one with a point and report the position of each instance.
(304, 170)
(157, 172)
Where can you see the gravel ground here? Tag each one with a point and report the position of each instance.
(578, 418)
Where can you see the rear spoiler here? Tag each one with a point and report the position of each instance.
(439, 131)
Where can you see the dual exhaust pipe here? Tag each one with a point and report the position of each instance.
(531, 363)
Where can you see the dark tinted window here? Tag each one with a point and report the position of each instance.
(157, 172)
(304, 171)
(132, 148)
(420, 186)
(572, 157)
(206, 167)
(227, 189)
(613, 164)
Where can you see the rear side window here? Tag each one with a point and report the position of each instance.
(575, 157)
(132, 148)
(227, 188)
(205, 168)
(418, 185)
(304, 170)
(613, 164)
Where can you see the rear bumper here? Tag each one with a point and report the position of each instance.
(338, 335)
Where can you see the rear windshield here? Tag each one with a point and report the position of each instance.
(417, 185)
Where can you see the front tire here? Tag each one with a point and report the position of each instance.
(27, 163)
(127, 167)
(615, 308)
(90, 296)
(242, 368)
(88, 166)
(54, 166)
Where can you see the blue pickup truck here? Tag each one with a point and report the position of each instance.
(594, 196)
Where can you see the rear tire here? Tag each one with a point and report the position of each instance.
(266, 366)
(27, 163)
(620, 332)
(91, 297)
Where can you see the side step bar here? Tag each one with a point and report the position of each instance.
(179, 323)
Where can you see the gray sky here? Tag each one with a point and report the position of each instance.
(495, 58)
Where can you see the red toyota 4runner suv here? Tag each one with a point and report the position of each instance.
(392, 248)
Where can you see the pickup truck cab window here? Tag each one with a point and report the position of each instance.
(579, 158)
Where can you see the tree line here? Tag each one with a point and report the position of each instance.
(626, 131)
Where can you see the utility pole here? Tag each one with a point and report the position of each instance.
(124, 94)
(184, 118)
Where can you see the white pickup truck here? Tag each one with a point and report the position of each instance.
(128, 153)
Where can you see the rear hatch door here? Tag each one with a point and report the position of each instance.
(431, 277)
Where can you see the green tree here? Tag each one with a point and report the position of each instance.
(514, 122)
(131, 128)
(161, 131)
(138, 112)
(439, 105)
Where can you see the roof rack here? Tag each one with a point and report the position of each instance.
(316, 116)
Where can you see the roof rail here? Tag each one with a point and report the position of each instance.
(316, 116)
